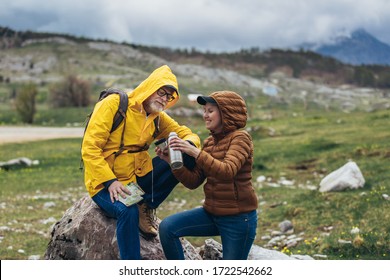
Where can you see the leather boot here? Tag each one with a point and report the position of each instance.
(147, 221)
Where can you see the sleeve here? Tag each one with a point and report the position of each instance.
(167, 125)
(191, 179)
(95, 139)
(108, 183)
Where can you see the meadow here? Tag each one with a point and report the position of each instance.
(294, 146)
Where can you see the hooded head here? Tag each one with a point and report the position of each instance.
(231, 106)
(161, 77)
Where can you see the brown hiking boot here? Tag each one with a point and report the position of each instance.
(147, 221)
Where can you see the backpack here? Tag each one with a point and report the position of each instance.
(119, 116)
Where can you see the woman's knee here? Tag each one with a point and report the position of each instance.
(166, 226)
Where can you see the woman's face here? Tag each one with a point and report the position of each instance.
(212, 118)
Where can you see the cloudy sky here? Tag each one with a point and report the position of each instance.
(213, 25)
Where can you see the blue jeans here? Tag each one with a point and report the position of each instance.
(237, 232)
(127, 232)
(157, 185)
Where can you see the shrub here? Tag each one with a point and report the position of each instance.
(25, 103)
(72, 92)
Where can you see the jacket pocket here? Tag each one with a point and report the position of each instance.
(142, 163)
(123, 166)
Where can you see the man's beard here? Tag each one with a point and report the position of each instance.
(155, 107)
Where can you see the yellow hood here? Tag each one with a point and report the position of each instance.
(160, 77)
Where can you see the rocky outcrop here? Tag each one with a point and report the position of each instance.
(85, 233)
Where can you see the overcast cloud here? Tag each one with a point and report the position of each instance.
(214, 25)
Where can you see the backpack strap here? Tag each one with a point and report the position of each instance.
(120, 115)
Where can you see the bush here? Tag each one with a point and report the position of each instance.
(25, 103)
(72, 92)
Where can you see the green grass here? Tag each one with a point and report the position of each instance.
(32, 199)
(303, 148)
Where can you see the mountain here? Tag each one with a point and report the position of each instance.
(360, 48)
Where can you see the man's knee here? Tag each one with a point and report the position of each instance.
(130, 212)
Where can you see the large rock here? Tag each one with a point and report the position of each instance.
(212, 250)
(85, 233)
(347, 176)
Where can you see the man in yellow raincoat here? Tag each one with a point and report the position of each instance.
(106, 172)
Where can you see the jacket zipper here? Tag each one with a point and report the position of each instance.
(235, 191)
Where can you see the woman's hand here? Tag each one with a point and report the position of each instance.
(117, 189)
(184, 147)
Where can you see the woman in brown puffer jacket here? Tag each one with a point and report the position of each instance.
(225, 162)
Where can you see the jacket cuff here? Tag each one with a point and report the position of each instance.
(189, 141)
(108, 183)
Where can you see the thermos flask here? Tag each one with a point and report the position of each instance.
(176, 158)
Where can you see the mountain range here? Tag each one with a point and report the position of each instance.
(358, 48)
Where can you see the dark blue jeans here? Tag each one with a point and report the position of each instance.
(127, 232)
(157, 185)
(237, 232)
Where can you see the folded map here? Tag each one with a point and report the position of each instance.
(135, 195)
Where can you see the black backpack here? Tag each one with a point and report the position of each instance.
(119, 116)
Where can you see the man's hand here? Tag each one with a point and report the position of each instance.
(116, 189)
(163, 154)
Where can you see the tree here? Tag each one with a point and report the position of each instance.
(364, 77)
(25, 103)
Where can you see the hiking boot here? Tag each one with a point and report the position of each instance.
(147, 221)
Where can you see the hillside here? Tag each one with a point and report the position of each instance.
(304, 64)
(275, 77)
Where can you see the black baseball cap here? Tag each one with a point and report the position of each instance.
(202, 100)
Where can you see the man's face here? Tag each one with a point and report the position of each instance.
(157, 102)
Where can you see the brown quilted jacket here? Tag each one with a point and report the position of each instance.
(225, 161)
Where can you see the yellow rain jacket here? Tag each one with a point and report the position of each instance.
(99, 145)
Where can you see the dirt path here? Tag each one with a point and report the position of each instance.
(15, 134)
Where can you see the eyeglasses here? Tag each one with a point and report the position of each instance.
(169, 96)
